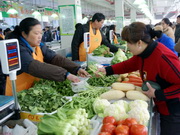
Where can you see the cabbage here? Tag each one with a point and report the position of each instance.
(123, 103)
(140, 114)
(119, 57)
(138, 103)
(99, 105)
(115, 110)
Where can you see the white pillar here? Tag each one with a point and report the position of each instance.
(119, 15)
(70, 14)
(133, 15)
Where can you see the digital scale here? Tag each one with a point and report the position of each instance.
(111, 37)
(87, 44)
(10, 63)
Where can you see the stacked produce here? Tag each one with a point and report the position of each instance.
(65, 122)
(122, 109)
(45, 96)
(120, 90)
(133, 78)
(102, 50)
(128, 126)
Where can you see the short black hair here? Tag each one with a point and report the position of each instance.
(178, 16)
(0, 29)
(77, 25)
(112, 27)
(98, 16)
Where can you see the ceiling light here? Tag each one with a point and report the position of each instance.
(12, 11)
(54, 15)
(36, 13)
(138, 2)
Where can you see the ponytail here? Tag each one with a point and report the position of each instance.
(16, 33)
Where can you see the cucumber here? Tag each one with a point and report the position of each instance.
(153, 84)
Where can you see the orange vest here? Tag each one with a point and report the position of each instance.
(24, 80)
(2, 36)
(115, 39)
(95, 41)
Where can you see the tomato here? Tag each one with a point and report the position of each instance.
(120, 122)
(122, 129)
(104, 133)
(129, 121)
(107, 127)
(138, 129)
(109, 119)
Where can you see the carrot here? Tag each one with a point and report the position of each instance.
(135, 80)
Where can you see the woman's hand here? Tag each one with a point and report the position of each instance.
(73, 78)
(100, 72)
(150, 92)
(81, 72)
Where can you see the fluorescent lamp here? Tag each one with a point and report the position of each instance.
(138, 2)
(36, 13)
(54, 15)
(12, 11)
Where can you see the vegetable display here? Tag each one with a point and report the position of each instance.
(121, 110)
(85, 100)
(128, 126)
(45, 96)
(104, 81)
(40, 99)
(102, 50)
(65, 122)
(64, 88)
(118, 57)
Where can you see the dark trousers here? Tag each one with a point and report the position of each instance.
(170, 125)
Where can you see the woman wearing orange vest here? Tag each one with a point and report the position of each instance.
(112, 27)
(96, 38)
(37, 61)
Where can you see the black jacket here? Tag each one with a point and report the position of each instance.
(78, 39)
(177, 33)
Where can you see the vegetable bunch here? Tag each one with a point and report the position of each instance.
(65, 122)
(102, 50)
(45, 96)
(119, 57)
(40, 99)
(103, 81)
(85, 100)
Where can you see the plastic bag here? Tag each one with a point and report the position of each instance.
(80, 86)
(100, 59)
(28, 128)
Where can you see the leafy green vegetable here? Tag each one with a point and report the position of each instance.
(85, 100)
(40, 99)
(65, 122)
(128, 54)
(45, 96)
(102, 50)
(64, 88)
(119, 57)
(104, 81)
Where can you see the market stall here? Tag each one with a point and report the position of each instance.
(67, 108)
